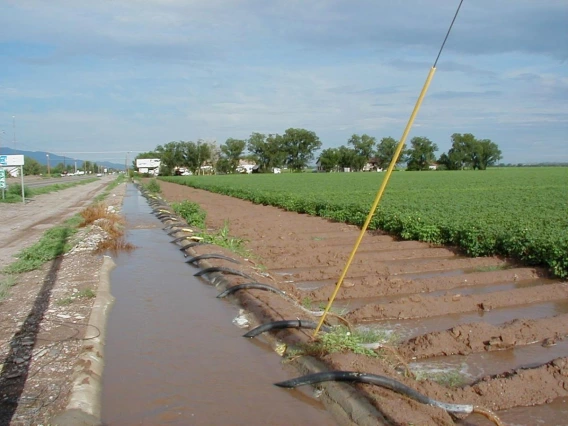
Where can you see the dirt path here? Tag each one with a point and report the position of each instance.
(462, 305)
(45, 315)
(23, 224)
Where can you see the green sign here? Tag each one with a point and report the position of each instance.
(2, 178)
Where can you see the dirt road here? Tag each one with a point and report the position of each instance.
(21, 225)
(45, 314)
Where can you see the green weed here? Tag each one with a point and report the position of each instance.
(5, 284)
(53, 243)
(450, 378)
(191, 212)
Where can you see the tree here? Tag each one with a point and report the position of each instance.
(329, 159)
(266, 151)
(346, 157)
(31, 166)
(486, 153)
(467, 151)
(299, 146)
(385, 152)
(421, 155)
(171, 156)
(232, 151)
(363, 146)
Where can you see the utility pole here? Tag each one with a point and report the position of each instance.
(14, 128)
(48, 169)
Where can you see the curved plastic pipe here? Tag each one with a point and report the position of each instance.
(279, 325)
(246, 286)
(178, 239)
(172, 225)
(211, 256)
(373, 379)
(222, 269)
(193, 244)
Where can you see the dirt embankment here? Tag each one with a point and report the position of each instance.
(45, 315)
(482, 304)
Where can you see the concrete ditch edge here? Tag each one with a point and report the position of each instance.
(84, 406)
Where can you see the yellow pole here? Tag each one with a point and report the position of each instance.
(378, 197)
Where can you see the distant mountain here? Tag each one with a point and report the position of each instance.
(41, 157)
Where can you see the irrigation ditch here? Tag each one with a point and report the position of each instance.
(482, 332)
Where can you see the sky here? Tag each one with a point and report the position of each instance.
(99, 78)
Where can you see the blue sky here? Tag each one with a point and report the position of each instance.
(119, 75)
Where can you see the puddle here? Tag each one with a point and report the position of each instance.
(492, 288)
(434, 274)
(553, 414)
(407, 329)
(173, 355)
(477, 365)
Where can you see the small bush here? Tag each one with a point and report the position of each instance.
(153, 186)
(191, 212)
(16, 189)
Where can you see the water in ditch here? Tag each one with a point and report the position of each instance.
(477, 365)
(173, 355)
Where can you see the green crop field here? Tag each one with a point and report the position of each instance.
(517, 212)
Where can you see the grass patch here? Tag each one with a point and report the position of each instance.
(222, 238)
(450, 378)
(492, 268)
(14, 192)
(6, 284)
(66, 301)
(339, 339)
(87, 293)
(153, 186)
(191, 212)
(53, 243)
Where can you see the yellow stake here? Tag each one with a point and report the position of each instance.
(378, 197)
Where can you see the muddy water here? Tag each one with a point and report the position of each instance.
(173, 355)
(407, 329)
(553, 414)
(477, 365)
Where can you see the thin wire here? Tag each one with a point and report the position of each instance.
(384, 183)
(447, 34)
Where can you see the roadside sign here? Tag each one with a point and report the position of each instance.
(11, 160)
(2, 178)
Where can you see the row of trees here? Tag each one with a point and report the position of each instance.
(296, 147)
(466, 152)
(33, 167)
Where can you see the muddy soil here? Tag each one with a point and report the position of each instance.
(394, 281)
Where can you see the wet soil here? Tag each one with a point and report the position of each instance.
(412, 282)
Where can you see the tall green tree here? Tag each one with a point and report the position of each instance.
(363, 146)
(267, 151)
(421, 154)
(347, 157)
(486, 153)
(232, 151)
(299, 146)
(171, 156)
(385, 151)
(31, 167)
(329, 159)
(467, 151)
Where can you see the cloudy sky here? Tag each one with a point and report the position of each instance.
(119, 75)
